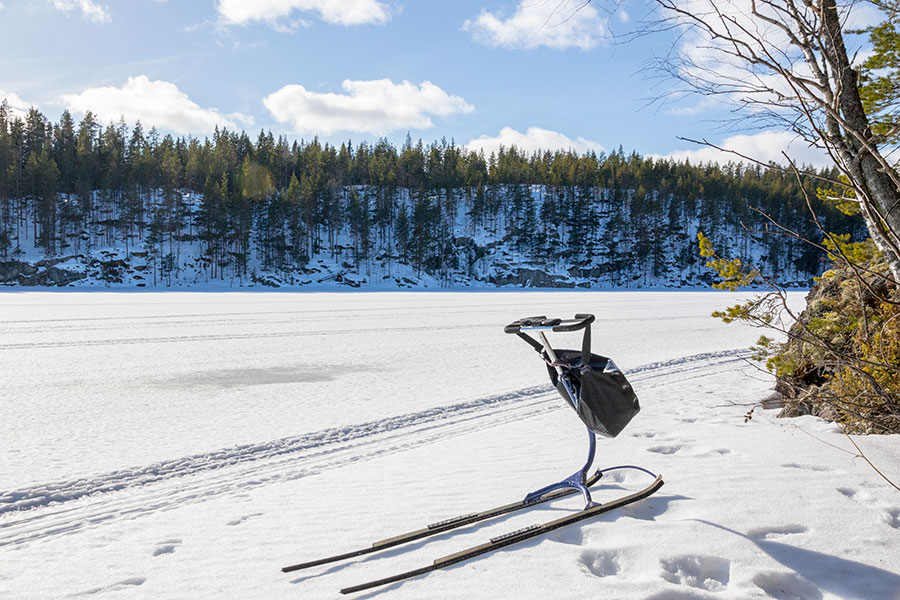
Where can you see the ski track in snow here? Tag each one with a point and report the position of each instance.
(223, 337)
(57, 508)
(53, 327)
(305, 314)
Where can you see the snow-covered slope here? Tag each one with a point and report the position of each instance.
(181, 445)
(618, 241)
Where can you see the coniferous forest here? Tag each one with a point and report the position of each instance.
(119, 203)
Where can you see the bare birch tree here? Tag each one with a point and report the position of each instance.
(785, 63)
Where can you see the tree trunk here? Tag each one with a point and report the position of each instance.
(874, 179)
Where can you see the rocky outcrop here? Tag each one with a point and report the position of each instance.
(797, 402)
(523, 276)
(51, 276)
(595, 272)
(10, 271)
(842, 360)
(42, 273)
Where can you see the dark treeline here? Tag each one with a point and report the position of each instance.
(68, 187)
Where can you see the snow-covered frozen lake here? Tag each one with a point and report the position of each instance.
(188, 445)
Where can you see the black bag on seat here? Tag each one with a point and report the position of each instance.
(607, 403)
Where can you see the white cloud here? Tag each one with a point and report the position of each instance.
(237, 46)
(155, 103)
(89, 9)
(860, 15)
(19, 107)
(862, 56)
(378, 107)
(707, 60)
(198, 26)
(555, 24)
(766, 146)
(686, 104)
(273, 12)
(534, 139)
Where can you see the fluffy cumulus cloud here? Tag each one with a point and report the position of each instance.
(709, 60)
(534, 139)
(154, 103)
(378, 107)
(766, 146)
(89, 9)
(555, 24)
(274, 12)
(18, 106)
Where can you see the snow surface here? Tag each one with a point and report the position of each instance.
(188, 445)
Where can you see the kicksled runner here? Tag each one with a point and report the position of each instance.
(603, 399)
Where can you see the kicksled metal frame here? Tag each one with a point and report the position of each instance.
(576, 481)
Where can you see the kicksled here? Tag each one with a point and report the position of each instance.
(599, 393)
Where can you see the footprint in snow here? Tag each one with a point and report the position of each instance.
(568, 535)
(240, 520)
(814, 468)
(119, 585)
(643, 434)
(849, 492)
(786, 586)
(617, 476)
(767, 533)
(709, 573)
(716, 452)
(665, 449)
(863, 497)
(678, 594)
(166, 547)
(604, 563)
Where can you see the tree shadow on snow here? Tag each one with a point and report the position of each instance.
(840, 576)
(646, 510)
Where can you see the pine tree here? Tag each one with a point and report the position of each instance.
(271, 202)
(293, 199)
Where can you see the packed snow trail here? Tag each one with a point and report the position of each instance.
(107, 395)
(215, 473)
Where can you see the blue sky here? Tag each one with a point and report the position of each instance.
(484, 72)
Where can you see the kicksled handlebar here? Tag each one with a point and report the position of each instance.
(581, 321)
(558, 325)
